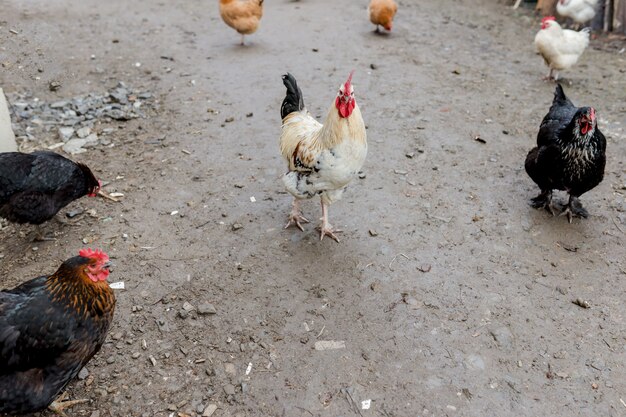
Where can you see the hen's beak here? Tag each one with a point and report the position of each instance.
(107, 265)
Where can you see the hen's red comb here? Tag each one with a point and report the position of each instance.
(96, 254)
(547, 18)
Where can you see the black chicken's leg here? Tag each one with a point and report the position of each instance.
(58, 405)
(574, 208)
(543, 200)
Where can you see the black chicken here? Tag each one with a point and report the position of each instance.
(570, 155)
(34, 187)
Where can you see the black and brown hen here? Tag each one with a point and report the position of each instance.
(50, 327)
(570, 155)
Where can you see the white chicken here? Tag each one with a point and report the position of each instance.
(322, 159)
(581, 11)
(560, 48)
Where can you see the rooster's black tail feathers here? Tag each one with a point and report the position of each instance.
(293, 100)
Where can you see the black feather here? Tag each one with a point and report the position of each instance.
(293, 99)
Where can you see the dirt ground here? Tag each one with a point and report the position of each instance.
(462, 302)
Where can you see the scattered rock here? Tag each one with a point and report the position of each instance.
(209, 410)
(40, 121)
(74, 146)
(83, 373)
(66, 133)
(229, 389)
(330, 344)
(206, 309)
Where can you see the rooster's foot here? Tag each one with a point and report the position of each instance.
(574, 209)
(327, 230)
(544, 200)
(296, 219)
(59, 404)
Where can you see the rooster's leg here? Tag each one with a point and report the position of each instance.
(59, 405)
(242, 40)
(295, 217)
(377, 29)
(543, 200)
(574, 209)
(326, 229)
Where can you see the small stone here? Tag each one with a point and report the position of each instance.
(229, 389)
(425, 267)
(209, 410)
(83, 373)
(410, 155)
(229, 119)
(110, 360)
(362, 175)
(95, 414)
(229, 368)
(250, 114)
(183, 314)
(187, 306)
(91, 140)
(206, 309)
(373, 233)
(237, 226)
(73, 213)
(65, 133)
(74, 146)
(373, 66)
(54, 85)
(83, 132)
(400, 171)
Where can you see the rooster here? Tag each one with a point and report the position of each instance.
(322, 159)
(382, 13)
(50, 327)
(581, 11)
(242, 15)
(560, 48)
(570, 155)
(34, 187)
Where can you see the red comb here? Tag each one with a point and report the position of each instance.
(547, 18)
(349, 82)
(96, 254)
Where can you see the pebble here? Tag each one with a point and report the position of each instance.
(229, 389)
(65, 133)
(34, 118)
(83, 373)
(209, 410)
(206, 309)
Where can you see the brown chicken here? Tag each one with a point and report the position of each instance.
(322, 159)
(242, 15)
(382, 13)
(50, 327)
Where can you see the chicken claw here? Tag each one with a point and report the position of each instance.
(57, 406)
(327, 230)
(295, 217)
(543, 200)
(574, 209)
